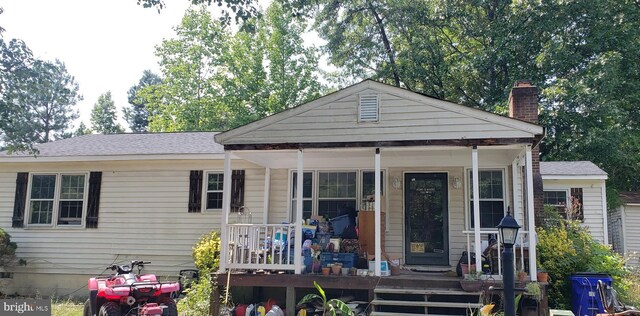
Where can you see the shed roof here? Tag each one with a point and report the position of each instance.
(127, 144)
(551, 169)
(630, 197)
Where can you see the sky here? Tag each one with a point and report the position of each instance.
(106, 45)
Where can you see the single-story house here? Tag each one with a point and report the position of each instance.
(623, 234)
(410, 162)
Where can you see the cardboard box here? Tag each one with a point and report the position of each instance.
(384, 267)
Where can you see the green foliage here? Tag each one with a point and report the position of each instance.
(137, 114)
(198, 296)
(206, 255)
(7, 250)
(206, 252)
(36, 97)
(215, 79)
(329, 307)
(103, 116)
(568, 248)
(82, 130)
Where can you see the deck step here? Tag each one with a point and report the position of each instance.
(423, 291)
(381, 302)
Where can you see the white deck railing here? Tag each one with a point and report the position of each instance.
(260, 246)
(494, 253)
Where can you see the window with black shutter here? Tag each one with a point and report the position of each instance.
(213, 188)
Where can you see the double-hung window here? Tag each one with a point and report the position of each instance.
(333, 193)
(214, 189)
(492, 197)
(556, 198)
(57, 199)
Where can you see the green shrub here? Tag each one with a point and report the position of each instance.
(7, 250)
(206, 255)
(566, 248)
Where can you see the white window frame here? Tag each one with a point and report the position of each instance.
(469, 200)
(205, 190)
(567, 196)
(316, 189)
(56, 200)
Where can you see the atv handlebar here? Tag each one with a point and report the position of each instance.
(126, 268)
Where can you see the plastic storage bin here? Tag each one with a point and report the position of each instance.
(585, 300)
(348, 260)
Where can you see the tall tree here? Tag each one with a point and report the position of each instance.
(137, 114)
(215, 80)
(103, 116)
(81, 130)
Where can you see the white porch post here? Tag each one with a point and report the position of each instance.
(533, 270)
(226, 208)
(297, 248)
(515, 173)
(476, 208)
(378, 228)
(265, 194)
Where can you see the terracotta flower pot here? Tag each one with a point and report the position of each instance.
(471, 285)
(543, 276)
(326, 270)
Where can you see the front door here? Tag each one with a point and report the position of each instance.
(425, 218)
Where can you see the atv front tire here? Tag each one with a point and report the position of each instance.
(87, 308)
(171, 309)
(110, 309)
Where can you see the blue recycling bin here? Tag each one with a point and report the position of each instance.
(584, 293)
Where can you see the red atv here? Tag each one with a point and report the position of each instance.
(129, 294)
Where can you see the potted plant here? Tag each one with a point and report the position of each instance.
(472, 282)
(522, 276)
(542, 275)
(336, 268)
(534, 291)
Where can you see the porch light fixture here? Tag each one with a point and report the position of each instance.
(508, 231)
(396, 183)
(456, 183)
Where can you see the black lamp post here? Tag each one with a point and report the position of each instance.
(508, 231)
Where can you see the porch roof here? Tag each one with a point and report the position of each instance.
(405, 118)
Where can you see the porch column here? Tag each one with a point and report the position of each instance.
(297, 248)
(378, 228)
(515, 173)
(605, 218)
(476, 207)
(265, 195)
(226, 208)
(533, 270)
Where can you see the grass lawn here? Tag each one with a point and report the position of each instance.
(66, 308)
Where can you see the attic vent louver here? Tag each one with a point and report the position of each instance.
(369, 108)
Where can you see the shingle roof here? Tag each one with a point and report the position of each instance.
(129, 144)
(570, 168)
(630, 197)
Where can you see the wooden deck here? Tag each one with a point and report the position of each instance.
(425, 283)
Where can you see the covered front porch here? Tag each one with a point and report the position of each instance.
(420, 197)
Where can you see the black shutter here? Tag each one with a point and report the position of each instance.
(195, 191)
(20, 201)
(237, 190)
(93, 206)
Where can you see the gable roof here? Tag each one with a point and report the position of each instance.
(129, 145)
(571, 170)
(404, 116)
(630, 197)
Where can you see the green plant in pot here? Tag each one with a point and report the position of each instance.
(472, 282)
(534, 291)
(329, 307)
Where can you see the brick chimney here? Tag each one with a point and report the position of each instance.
(523, 105)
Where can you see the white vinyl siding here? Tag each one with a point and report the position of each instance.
(401, 119)
(143, 215)
(592, 200)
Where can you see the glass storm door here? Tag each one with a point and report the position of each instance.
(426, 209)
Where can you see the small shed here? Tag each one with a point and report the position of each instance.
(622, 221)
